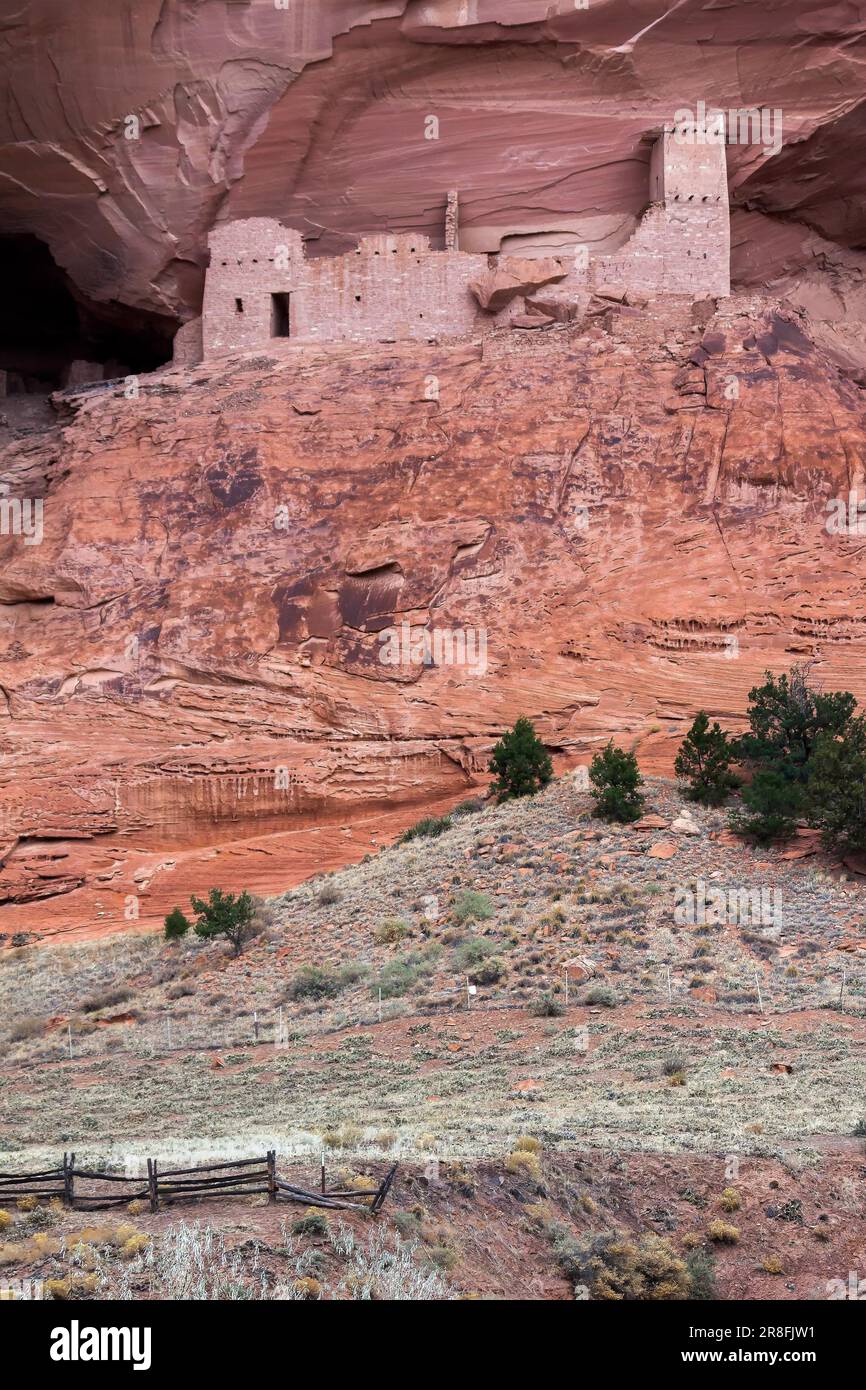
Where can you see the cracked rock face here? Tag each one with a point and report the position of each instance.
(280, 594)
(130, 130)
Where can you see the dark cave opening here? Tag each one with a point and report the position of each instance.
(51, 335)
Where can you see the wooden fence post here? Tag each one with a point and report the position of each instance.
(272, 1175)
(151, 1183)
(68, 1166)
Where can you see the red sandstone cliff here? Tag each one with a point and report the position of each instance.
(632, 510)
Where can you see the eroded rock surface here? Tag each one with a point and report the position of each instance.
(194, 669)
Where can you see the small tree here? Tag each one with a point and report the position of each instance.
(521, 762)
(225, 915)
(773, 805)
(176, 925)
(615, 779)
(787, 716)
(837, 788)
(704, 759)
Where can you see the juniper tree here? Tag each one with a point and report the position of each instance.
(226, 915)
(615, 779)
(176, 925)
(837, 788)
(521, 762)
(704, 759)
(787, 716)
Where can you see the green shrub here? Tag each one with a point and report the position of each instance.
(701, 1266)
(426, 829)
(408, 1224)
(602, 994)
(472, 907)
(443, 1257)
(546, 1006)
(473, 951)
(490, 972)
(404, 972)
(390, 932)
(313, 982)
(312, 1223)
(520, 761)
(615, 779)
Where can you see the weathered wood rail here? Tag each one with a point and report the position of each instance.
(242, 1177)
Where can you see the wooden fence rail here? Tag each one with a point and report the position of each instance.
(258, 1175)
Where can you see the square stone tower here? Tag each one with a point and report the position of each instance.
(688, 167)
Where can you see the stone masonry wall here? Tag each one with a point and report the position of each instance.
(391, 287)
(673, 251)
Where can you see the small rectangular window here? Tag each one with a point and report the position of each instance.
(239, 306)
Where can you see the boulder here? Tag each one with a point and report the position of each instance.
(558, 304)
(515, 276)
(684, 825)
(664, 849)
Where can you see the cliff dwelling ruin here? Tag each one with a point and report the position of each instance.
(261, 286)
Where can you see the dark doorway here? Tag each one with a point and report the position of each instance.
(280, 316)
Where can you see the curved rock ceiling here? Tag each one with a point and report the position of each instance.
(316, 113)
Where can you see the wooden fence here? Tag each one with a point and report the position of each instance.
(241, 1178)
